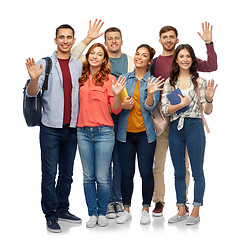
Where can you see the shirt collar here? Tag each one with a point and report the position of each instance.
(145, 77)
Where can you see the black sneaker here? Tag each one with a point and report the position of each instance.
(68, 217)
(53, 226)
(111, 211)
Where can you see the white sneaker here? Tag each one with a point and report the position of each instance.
(145, 217)
(125, 216)
(92, 222)
(102, 221)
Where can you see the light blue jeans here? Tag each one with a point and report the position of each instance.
(95, 147)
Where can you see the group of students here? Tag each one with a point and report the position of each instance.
(83, 107)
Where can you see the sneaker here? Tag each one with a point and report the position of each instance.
(53, 226)
(125, 216)
(119, 208)
(176, 218)
(192, 220)
(68, 217)
(158, 210)
(145, 218)
(92, 222)
(111, 211)
(102, 221)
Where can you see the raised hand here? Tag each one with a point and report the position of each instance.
(154, 84)
(93, 31)
(119, 85)
(207, 32)
(33, 70)
(210, 91)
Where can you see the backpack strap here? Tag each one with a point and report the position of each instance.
(200, 107)
(153, 66)
(47, 72)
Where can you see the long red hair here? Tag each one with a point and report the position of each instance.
(102, 74)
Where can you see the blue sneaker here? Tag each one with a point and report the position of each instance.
(53, 226)
(68, 217)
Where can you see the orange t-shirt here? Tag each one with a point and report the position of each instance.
(135, 120)
(93, 104)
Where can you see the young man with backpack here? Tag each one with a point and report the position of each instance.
(58, 134)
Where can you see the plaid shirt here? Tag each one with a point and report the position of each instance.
(193, 111)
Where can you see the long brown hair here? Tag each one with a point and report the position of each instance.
(175, 67)
(102, 74)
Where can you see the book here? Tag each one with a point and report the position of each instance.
(175, 99)
(123, 94)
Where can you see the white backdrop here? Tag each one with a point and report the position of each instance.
(28, 29)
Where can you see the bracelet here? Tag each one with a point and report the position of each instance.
(208, 101)
(209, 43)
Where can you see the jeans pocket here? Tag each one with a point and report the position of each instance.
(107, 129)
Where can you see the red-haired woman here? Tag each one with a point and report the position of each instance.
(98, 90)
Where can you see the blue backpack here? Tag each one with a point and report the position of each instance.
(32, 107)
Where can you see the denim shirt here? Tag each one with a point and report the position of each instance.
(145, 109)
(53, 98)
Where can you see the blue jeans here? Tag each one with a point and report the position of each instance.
(137, 143)
(115, 169)
(95, 147)
(192, 137)
(58, 151)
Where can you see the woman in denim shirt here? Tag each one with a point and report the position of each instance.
(136, 133)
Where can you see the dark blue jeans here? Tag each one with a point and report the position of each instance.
(115, 169)
(136, 143)
(192, 137)
(58, 150)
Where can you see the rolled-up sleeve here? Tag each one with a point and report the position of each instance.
(202, 83)
(41, 78)
(165, 103)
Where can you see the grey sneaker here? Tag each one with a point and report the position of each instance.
(176, 218)
(192, 220)
(119, 208)
(102, 221)
(92, 222)
(111, 211)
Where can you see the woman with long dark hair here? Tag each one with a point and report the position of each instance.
(136, 134)
(98, 90)
(186, 129)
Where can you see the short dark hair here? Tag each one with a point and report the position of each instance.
(65, 26)
(166, 29)
(112, 29)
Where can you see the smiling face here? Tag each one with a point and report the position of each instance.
(96, 57)
(168, 41)
(184, 59)
(64, 41)
(142, 58)
(113, 42)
